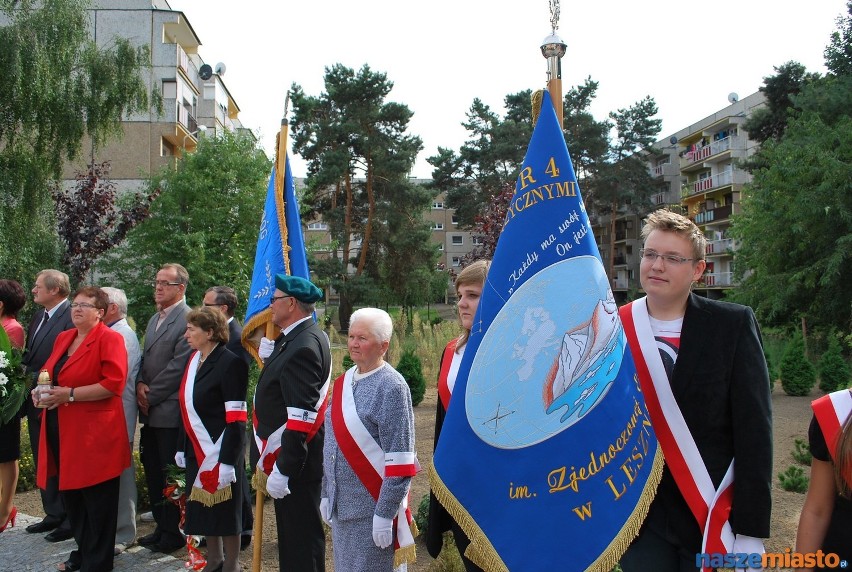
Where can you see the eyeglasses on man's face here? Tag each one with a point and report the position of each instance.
(82, 305)
(164, 283)
(652, 256)
(274, 298)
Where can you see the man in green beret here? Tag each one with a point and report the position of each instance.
(290, 404)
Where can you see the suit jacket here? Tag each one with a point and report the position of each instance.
(235, 344)
(721, 385)
(222, 377)
(93, 446)
(164, 359)
(40, 344)
(293, 377)
(134, 359)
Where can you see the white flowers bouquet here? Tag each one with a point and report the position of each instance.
(13, 379)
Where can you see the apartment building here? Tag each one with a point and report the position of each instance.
(195, 99)
(452, 242)
(698, 173)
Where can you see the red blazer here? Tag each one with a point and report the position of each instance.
(93, 445)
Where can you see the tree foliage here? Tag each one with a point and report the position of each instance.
(795, 228)
(205, 218)
(90, 221)
(411, 369)
(59, 88)
(359, 157)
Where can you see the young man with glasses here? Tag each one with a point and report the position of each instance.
(702, 370)
(164, 358)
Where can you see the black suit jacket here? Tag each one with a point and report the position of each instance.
(222, 377)
(293, 377)
(235, 332)
(721, 385)
(40, 344)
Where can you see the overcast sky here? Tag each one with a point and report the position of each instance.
(441, 54)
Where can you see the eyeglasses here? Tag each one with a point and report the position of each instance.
(82, 305)
(212, 305)
(274, 298)
(165, 283)
(652, 256)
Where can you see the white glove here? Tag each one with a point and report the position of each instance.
(325, 511)
(227, 475)
(276, 484)
(748, 545)
(264, 350)
(180, 459)
(382, 531)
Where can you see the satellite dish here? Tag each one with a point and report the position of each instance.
(205, 72)
(220, 68)
(733, 97)
(673, 140)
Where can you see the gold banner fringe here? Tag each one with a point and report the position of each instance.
(482, 553)
(405, 555)
(209, 499)
(535, 102)
(258, 481)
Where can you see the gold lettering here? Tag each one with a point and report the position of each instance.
(618, 494)
(584, 510)
(526, 177)
(552, 169)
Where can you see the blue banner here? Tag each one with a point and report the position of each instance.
(280, 250)
(547, 458)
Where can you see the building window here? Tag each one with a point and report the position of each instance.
(318, 226)
(438, 205)
(456, 261)
(457, 239)
(477, 240)
(455, 219)
(441, 247)
(438, 226)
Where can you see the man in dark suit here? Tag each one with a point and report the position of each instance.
(225, 299)
(51, 291)
(290, 390)
(708, 356)
(164, 359)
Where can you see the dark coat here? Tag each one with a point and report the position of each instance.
(293, 376)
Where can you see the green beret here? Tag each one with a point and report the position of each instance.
(299, 288)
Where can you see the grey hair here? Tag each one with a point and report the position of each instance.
(378, 322)
(118, 297)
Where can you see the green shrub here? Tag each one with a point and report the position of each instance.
(802, 452)
(798, 375)
(422, 515)
(412, 370)
(794, 480)
(143, 501)
(833, 370)
(347, 362)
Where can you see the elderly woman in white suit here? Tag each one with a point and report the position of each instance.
(369, 455)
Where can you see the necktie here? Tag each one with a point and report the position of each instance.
(44, 320)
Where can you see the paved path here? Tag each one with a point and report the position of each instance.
(24, 552)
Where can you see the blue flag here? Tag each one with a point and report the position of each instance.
(547, 458)
(280, 250)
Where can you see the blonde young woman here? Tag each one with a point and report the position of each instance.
(469, 290)
(826, 520)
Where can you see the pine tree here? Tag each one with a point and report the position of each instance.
(411, 369)
(798, 375)
(834, 372)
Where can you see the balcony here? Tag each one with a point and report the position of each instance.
(621, 284)
(619, 260)
(718, 279)
(723, 179)
(716, 151)
(721, 247)
(185, 126)
(715, 215)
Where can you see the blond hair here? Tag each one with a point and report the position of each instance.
(472, 274)
(668, 221)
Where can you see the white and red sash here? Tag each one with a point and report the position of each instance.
(371, 464)
(710, 506)
(831, 412)
(302, 420)
(445, 391)
(206, 488)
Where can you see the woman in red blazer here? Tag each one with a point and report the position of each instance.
(84, 441)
